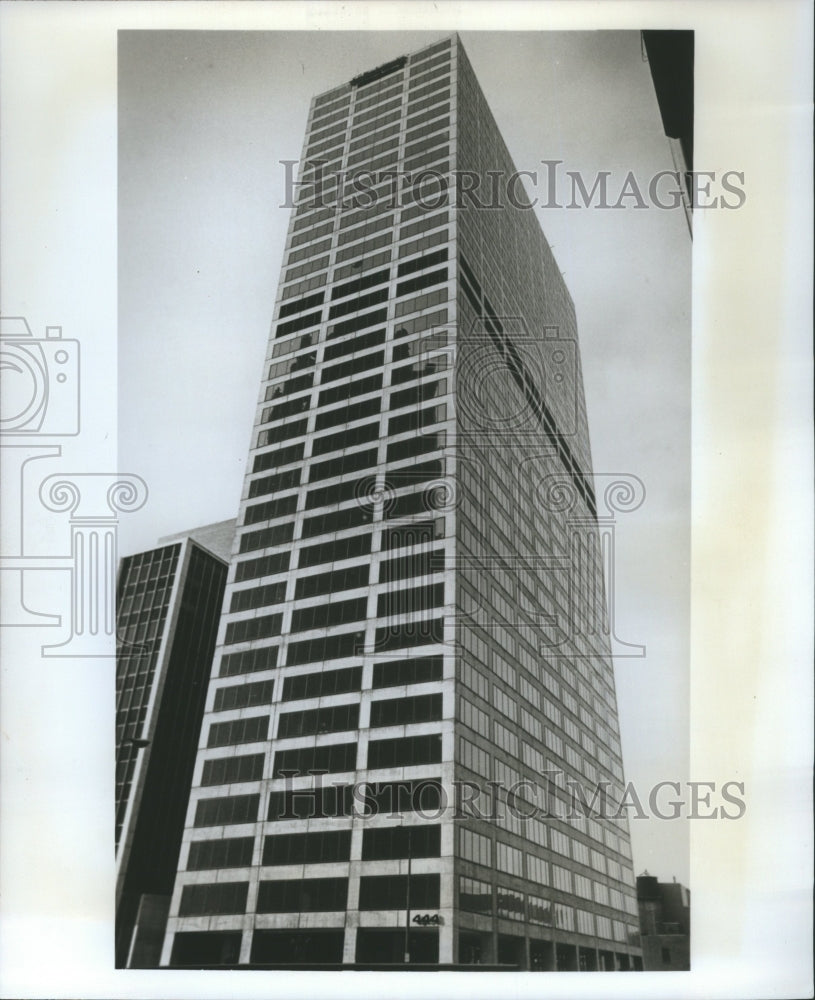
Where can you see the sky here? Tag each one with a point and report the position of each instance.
(206, 120)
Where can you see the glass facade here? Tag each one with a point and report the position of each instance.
(405, 608)
(168, 607)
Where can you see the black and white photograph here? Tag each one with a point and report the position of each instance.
(395, 739)
(406, 624)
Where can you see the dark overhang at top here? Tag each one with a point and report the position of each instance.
(376, 74)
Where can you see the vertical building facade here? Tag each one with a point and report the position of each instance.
(413, 667)
(168, 608)
(664, 909)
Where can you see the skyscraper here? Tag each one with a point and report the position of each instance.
(168, 607)
(413, 670)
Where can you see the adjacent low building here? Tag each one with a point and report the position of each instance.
(168, 608)
(664, 909)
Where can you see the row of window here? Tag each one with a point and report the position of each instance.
(394, 636)
(433, 498)
(376, 892)
(317, 847)
(405, 751)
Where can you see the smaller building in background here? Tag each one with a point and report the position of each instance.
(670, 56)
(664, 909)
(168, 608)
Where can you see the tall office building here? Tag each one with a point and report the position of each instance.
(167, 613)
(414, 646)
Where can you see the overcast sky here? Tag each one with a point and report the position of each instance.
(205, 120)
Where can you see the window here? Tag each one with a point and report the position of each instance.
(309, 895)
(502, 701)
(424, 243)
(539, 910)
(474, 846)
(347, 369)
(404, 752)
(232, 852)
(331, 759)
(309, 268)
(562, 878)
(420, 263)
(509, 859)
(400, 602)
(370, 280)
(324, 615)
(206, 900)
(249, 661)
(307, 848)
(356, 304)
(474, 679)
(302, 322)
(274, 435)
(389, 892)
(421, 281)
(349, 412)
(424, 368)
(395, 673)
(475, 758)
(537, 870)
(409, 634)
(415, 503)
(283, 456)
(417, 533)
(342, 548)
(510, 903)
(252, 729)
(282, 480)
(300, 305)
(401, 842)
(406, 566)
(322, 683)
(474, 895)
(393, 797)
(331, 719)
(346, 438)
(243, 696)
(582, 886)
(311, 803)
(564, 916)
(342, 465)
(335, 493)
(258, 597)
(346, 390)
(332, 647)
(362, 265)
(227, 810)
(404, 711)
(226, 770)
(253, 628)
(505, 739)
(474, 718)
(415, 420)
(324, 524)
(423, 224)
(279, 534)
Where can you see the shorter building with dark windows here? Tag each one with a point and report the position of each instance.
(168, 607)
(664, 909)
